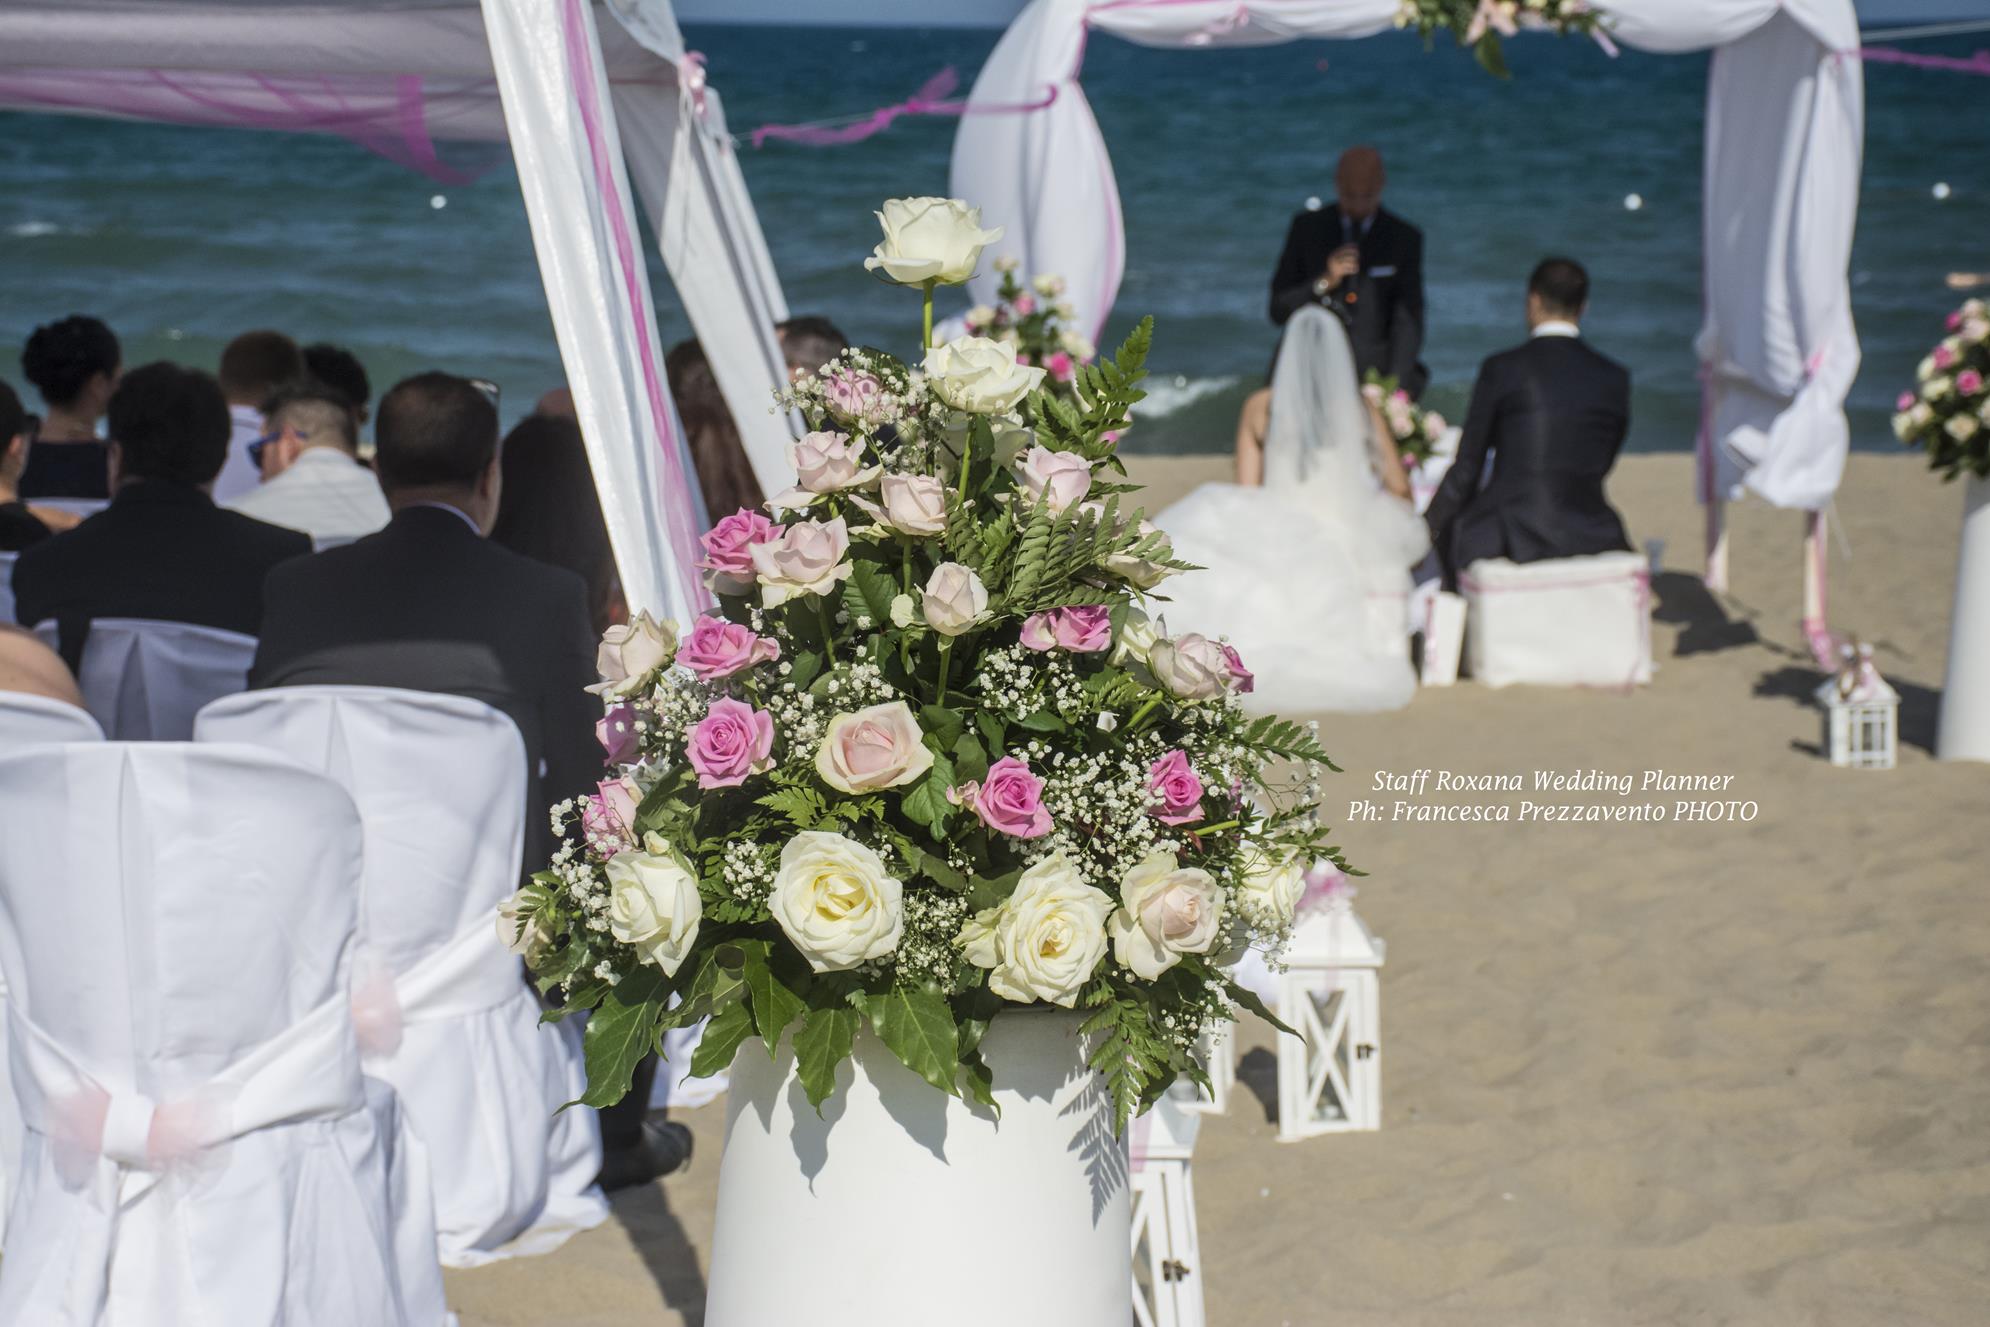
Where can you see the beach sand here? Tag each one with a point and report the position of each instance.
(1633, 1073)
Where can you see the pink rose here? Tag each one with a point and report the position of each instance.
(1080, 628)
(1241, 678)
(1024, 305)
(728, 563)
(732, 741)
(1056, 478)
(717, 648)
(1969, 382)
(1059, 365)
(1009, 801)
(1955, 320)
(608, 819)
(1176, 790)
(856, 397)
(617, 734)
(1905, 401)
(1944, 357)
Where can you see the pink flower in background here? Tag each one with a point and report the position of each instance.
(717, 648)
(1080, 628)
(1059, 365)
(1024, 305)
(1241, 678)
(608, 819)
(1177, 789)
(1905, 401)
(856, 397)
(1943, 357)
(617, 734)
(728, 545)
(1969, 382)
(1009, 801)
(1955, 320)
(732, 741)
(1400, 397)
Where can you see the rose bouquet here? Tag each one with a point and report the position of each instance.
(1481, 24)
(1031, 319)
(930, 758)
(1415, 429)
(1948, 412)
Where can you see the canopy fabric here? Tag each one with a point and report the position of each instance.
(1785, 126)
(404, 77)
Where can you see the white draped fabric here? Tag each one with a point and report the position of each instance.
(201, 1145)
(1785, 125)
(445, 1015)
(144, 680)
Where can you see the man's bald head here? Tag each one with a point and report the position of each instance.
(1358, 181)
(28, 665)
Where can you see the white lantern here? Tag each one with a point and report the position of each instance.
(1330, 1077)
(1861, 714)
(1167, 1252)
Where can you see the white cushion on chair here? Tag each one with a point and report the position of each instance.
(439, 785)
(1583, 621)
(25, 719)
(145, 680)
(176, 938)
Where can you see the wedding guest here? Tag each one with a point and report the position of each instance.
(309, 459)
(1552, 413)
(1365, 264)
(253, 366)
(31, 668)
(549, 511)
(808, 341)
(725, 477)
(162, 549)
(19, 526)
(339, 369)
(74, 365)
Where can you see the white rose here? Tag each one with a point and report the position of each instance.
(834, 900)
(930, 239)
(522, 929)
(1135, 637)
(1190, 666)
(981, 376)
(824, 463)
(1936, 388)
(1044, 941)
(1076, 346)
(910, 504)
(1166, 910)
(1056, 478)
(954, 599)
(1903, 426)
(805, 558)
(631, 653)
(1271, 886)
(653, 906)
(1961, 427)
(1007, 263)
(1048, 284)
(878, 747)
(980, 316)
(1921, 415)
(1925, 369)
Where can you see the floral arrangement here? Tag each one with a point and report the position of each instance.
(1948, 412)
(1415, 429)
(1030, 319)
(930, 758)
(1482, 24)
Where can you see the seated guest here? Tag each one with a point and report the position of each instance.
(430, 604)
(30, 667)
(162, 549)
(725, 477)
(808, 342)
(253, 366)
(312, 478)
(339, 369)
(74, 365)
(19, 526)
(1552, 413)
(549, 511)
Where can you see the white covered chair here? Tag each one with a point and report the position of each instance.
(201, 1145)
(1572, 622)
(144, 680)
(26, 719)
(438, 782)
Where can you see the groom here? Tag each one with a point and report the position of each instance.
(1363, 264)
(1553, 414)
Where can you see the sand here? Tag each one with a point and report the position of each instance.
(1633, 1073)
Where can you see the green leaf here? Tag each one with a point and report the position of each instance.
(619, 1033)
(992, 731)
(802, 807)
(926, 801)
(774, 1004)
(917, 1026)
(942, 723)
(803, 667)
(979, 1081)
(869, 591)
(1043, 721)
(1249, 1000)
(823, 1044)
(723, 1035)
(985, 892)
(970, 759)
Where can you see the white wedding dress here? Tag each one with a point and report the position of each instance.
(1307, 577)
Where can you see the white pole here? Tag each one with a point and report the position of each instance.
(1964, 733)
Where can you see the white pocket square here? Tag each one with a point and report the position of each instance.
(1382, 271)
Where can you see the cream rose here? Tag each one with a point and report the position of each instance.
(1166, 910)
(632, 653)
(1144, 572)
(954, 599)
(879, 747)
(1271, 886)
(522, 929)
(1045, 940)
(1135, 637)
(834, 900)
(1056, 478)
(929, 239)
(980, 376)
(805, 558)
(653, 906)
(910, 504)
(1190, 666)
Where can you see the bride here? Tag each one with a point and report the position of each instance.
(1308, 555)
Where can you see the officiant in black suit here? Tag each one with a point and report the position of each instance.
(1552, 413)
(1363, 263)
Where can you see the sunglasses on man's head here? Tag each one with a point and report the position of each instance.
(487, 388)
(255, 449)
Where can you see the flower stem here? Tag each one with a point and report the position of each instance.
(1141, 713)
(926, 340)
(828, 632)
(946, 651)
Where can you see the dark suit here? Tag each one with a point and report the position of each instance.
(160, 550)
(1553, 413)
(429, 605)
(1381, 306)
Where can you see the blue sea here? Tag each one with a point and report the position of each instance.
(182, 237)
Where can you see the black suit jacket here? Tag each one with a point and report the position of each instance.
(427, 604)
(1381, 306)
(1553, 413)
(160, 550)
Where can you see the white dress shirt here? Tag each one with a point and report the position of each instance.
(1556, 327)
(239, 475)
(324, 493)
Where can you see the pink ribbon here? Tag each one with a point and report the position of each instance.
(930, 99)
(1978, 63)
(691, 69)
(130, 1130)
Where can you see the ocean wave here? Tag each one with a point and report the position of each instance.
(1165, 396)
(27, 230)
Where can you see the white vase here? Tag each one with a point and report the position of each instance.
(1964, 733)
(902, 1207)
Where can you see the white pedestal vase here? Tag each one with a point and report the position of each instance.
(902, 1207)
(1964, 733)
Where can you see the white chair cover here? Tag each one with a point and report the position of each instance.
(438, 783)
(177, 940)
(144, 680)
(1570, 622)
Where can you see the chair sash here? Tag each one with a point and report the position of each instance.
(469, 974)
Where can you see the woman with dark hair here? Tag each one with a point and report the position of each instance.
(74, 365)
(724, 475)
(548, 510)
